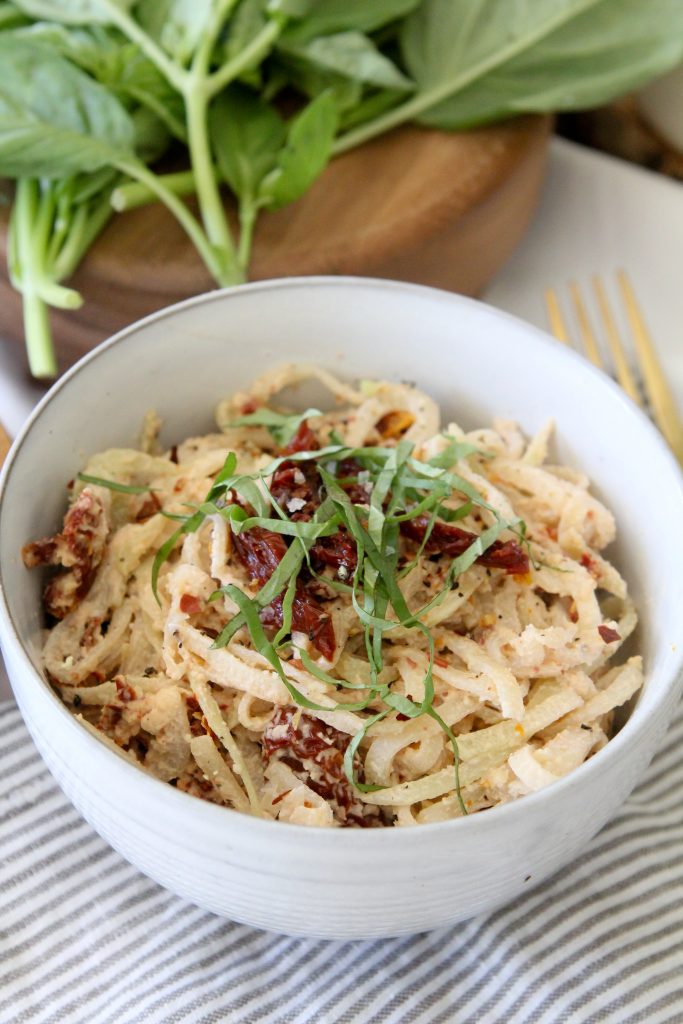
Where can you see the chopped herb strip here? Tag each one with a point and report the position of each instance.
(114, 485)
(357, 529)
(283, 427)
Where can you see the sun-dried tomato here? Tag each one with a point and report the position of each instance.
(261, 551)
(356, 492)
(448, 539)
(78, 549)
(303, 441)
(507, 555)
(294, 483)
(338, 551)
(315, 753)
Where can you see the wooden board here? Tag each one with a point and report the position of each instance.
(437, 208)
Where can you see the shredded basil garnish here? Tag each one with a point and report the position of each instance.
(400, 488)
(282, 426)
(114, 485)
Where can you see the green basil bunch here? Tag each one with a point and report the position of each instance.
(94, 92)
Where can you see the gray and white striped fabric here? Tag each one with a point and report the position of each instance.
(85, 938)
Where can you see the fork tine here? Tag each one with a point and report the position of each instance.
(621, 367)
(657, 390)
(5, 444)
(555, 318)
(589, 340)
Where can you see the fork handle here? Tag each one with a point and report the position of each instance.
(5, 444)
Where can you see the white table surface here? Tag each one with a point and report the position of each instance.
(596, 214)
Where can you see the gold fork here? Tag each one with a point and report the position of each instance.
(648, 382)
(5, 444)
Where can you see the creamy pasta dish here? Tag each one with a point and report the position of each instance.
(357, 617)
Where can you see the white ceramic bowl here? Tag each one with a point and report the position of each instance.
(477, 362)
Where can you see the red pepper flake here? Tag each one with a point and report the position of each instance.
(190, 604)
(400, 717)
(124, 690)
(441, 662)
(281, 797)
(608, 634)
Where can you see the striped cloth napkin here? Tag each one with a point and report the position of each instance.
(86, 939)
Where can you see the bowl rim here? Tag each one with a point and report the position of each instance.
(213, 814)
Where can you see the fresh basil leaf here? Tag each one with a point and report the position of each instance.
(152, 137)
(311, 80)
(78, 44)
(133, 77)
(72, 12)
(322, 17)
(477, 60)
(369, 106)
(603, 54)
(289, 8)
(54, 119)
(245, 24)
(247, 136)
(350, 54)
(309, 145)
(10, 17)
(116, 63)
(176, 25)
(86, 186)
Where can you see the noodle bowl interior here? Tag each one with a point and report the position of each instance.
(361, 617)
